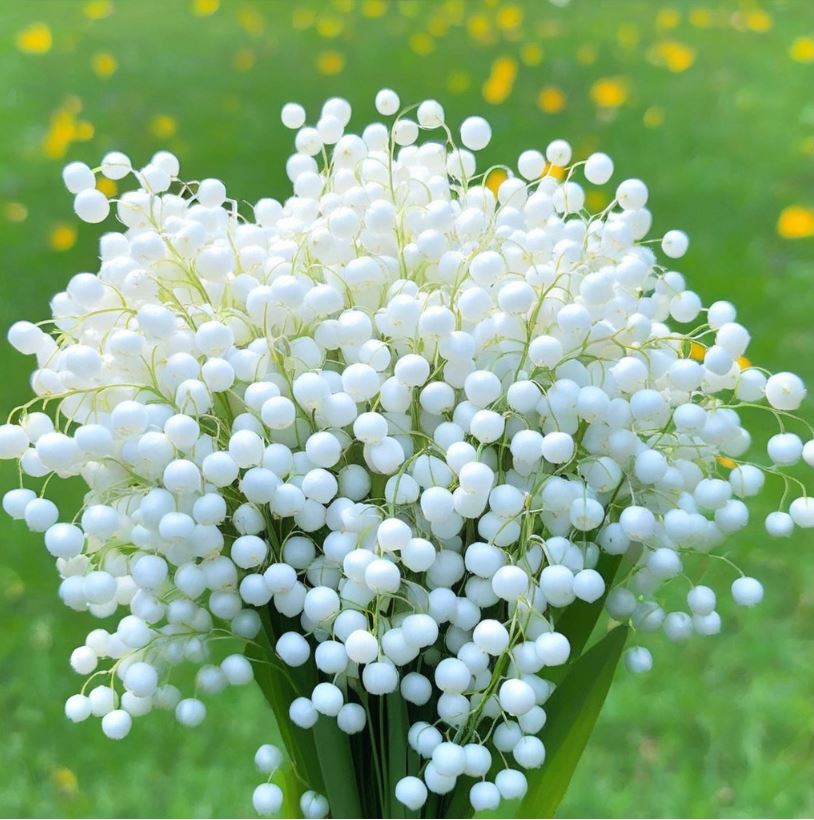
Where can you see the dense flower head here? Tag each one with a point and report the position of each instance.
(406, 412)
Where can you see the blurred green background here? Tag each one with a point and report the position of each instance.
(710, 102)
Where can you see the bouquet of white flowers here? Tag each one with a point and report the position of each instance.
(389, 448)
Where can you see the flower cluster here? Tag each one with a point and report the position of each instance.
(403, 414)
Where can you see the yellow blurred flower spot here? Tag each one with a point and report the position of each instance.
(437, 26)
(64, 128)
(556, 171)
(329, 27)
(609, 92)
(586, 55)
(104, 64)
(667, 19)
(15, 212)
(65, 781)
(807, 146)
(700, 18)
(796, 222)
(35, 39)
(697, 351)
(62, 237)
(251, 21)
(107, 186)
(345, 6)
(509, 17)
(374, 8)
(243, 59)
(627, 35)
(759, 20)
(551, 99)
(205, 8)
(163, 126)
(673, 55)
(303, 18)
(495, 178)
(458, 81)
(802, 50)
(98, 9)
(596, 200)
(421, 43)
(84, 131)
(726, 462)
(531, 54)
(743, 362)
(455, 10)
(653, 116)
(330, 63)
(479, 28)
(499, 85)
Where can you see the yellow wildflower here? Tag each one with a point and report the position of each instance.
(458, 81)
(15, 212)
(796, 222)
(374, 8)
(421, 43)
(62, 237)
(107, 186)
(97, 9)
(495, 178)
(802, 50)
(653, 116)
(330, 63)
(673, 55)
(163, 126)
(35, 39)
(104, 64)
(609, 92)
(500, 82)
(531, 54)
(551, 100)
(205, 8)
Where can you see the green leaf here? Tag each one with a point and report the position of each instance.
(300, 752)
(320, 758)
(578, 621)
(572, 713)
(338, 771)
(573, 710)
(397, 749)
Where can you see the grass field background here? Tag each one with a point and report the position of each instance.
(710, 103)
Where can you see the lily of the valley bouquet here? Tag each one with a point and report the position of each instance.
(389, 448)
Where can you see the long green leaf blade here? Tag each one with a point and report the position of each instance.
(572, 713)
(573, 710)
(321, 758)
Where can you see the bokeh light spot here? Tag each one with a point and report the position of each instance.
(35, 39)
(796, 222)
(104, 64)
(551, 99)
(163, 126)
(610, 92)
(330, 63)
(62, 237)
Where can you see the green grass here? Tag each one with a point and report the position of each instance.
(721, 726)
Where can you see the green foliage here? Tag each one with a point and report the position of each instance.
(572, 711)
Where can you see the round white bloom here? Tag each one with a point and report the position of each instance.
(785, 391)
